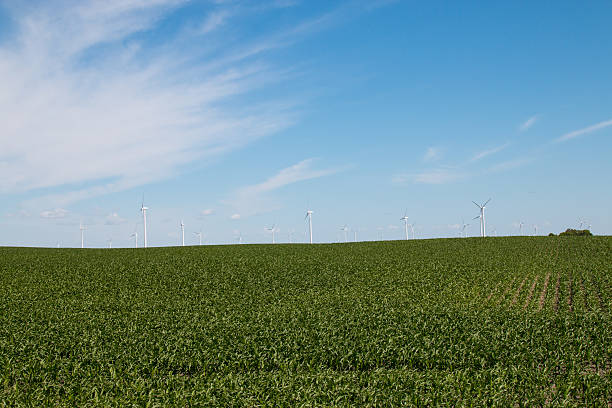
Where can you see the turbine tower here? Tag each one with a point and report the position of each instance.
(290, 233)
(199, 235)
(272, 229)
(110, 243)
(82, 228)
(412, 229)
(345, 229)
(463, 227)
(535, 230)
(405, 219)
(182, 233)
(135, 235)
(144, 209)
(309, 216)
(483, 227)
(521, 227)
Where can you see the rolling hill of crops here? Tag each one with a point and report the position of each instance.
(454, 322)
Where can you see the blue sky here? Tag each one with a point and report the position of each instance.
(237, 115)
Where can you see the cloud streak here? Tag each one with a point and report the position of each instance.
(489, 152)
(85, 106)
(432, 153)
(529, 123)
(584, 131)
(435, 176)
(254, 199)
(54, 214)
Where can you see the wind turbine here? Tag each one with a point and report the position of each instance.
(405, 219)
(182, 233)
(144, 209)
(412, 229)
(82, 228)
(581, 222)
(290, 233)
(199, 235)
(135, 235)
(110, 243)
(521, 227)
(535, 230)
(483, 230)
(463, 227)
(345, 229)
(309, 216)
(272, 229)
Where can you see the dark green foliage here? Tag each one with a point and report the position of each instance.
(551, 234)
(570, 232)
(518, 321)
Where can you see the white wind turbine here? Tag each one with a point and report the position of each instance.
(483, 226)
(345, 229)
(182, 233)
(273, 230)
(405, 219)
(412, 229)
(144, 209)
(581, 222)
(535, 230)
(380, 233)
(82, 228)
(199, 235)
(110, 243)
(135, 236)
(309, 216)
(463, 227)
(521, 227)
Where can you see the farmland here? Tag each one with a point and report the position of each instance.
(519, 321)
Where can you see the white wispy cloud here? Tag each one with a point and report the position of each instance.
(254, 198)
(432, 153)
(529, 123)
(18, 214)
(235, 216)
(441, 175)
(84, 107)
(292, 174)
(510, 164)
(214, 20)
(488, 152)
(114, 219)
(55, 213)
(584, 131)
(208, 211)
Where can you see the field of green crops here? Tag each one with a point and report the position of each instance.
(455, 322)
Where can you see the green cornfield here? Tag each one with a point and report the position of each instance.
(515, 321)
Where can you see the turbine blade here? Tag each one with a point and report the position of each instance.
(487, 202)
(476, 204)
